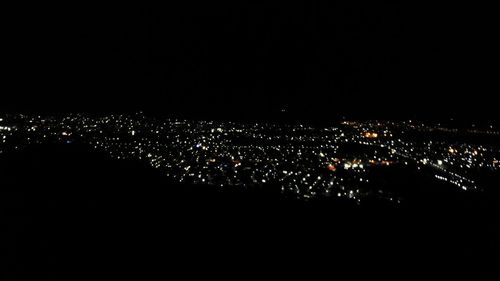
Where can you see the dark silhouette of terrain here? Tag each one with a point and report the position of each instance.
(68, 212)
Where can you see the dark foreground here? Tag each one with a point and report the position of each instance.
(68, 213)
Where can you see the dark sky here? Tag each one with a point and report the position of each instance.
(318, 59)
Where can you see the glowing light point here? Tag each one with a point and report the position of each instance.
(332, 167)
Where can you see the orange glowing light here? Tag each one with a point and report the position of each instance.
(332, 168)
(371, 135)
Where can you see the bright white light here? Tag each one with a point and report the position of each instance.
(440, 162)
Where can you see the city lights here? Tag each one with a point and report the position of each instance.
(306, 162)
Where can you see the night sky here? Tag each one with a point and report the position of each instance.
(238, 59)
